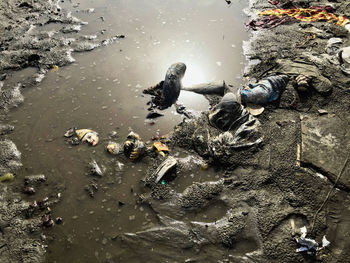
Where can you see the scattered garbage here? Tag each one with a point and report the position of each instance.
(228, 113)
(265, 91)
(161, 148)
(114, 148)
(165, 167)
(211, 88)
(167, 92)
(7, 177)
(310, 246)
(134, 148)
(95, 168)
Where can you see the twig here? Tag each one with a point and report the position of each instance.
(330, 191)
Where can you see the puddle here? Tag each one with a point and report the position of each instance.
(102, 90)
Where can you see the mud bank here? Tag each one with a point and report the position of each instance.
(281, 182)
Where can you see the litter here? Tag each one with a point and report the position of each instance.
(34, 179)
(114, 148)
(165, 167)
(70, 132)
(344, 57)
(153, 115)
(310, 246)
(161, 148)
(7, 177)
(265, 91)
(95, 168)
(228, 113)
(87, 135)
(211, 88)
(134, 148)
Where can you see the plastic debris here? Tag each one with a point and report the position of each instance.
(55, 68)
(114, 148)
(211, 88)
(164, 168)
(7, 177)
(88, 135)
(310, 246)
(134, 148)
(265, 91)
(161, 148)
(95, 168)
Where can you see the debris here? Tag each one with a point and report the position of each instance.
(312, 14)
(91, 189)
(34, 179)
(74, 141)
(87, 135)
(265, 91)
(333, 45)
(7, 177)
(58, 220)
(134, 148)
(303, 82)
(228, 114)
(167, 92)
(165, 167)
(6, 129)
(120, 203)
(298, 155)
(47, 220)
(211, 88)
(161, 148)
(153, 115)
(95, 168)
(114, 148)
(55, 68)
(70, 132)
(254, 109)
(309, 245)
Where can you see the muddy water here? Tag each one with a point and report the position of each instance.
(102, 90)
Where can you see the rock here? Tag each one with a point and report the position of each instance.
(325, 145)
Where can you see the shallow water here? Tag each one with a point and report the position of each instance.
(102, 90)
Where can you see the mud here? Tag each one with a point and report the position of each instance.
(241, 214)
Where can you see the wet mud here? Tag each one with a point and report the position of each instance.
(237, 193)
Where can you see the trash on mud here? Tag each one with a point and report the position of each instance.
(165, 168)
(88, 135)
(211, 88)
(91, 189)
(254, 109)
(55, 68)
(160, 147)
(310, 246)
(7, 177)
(114, 148)
(265, 91)
(166, 93)
(228, 114)
(134, 148)
(47, 220)
(95, 169)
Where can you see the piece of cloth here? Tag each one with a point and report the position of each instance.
(312, 14)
